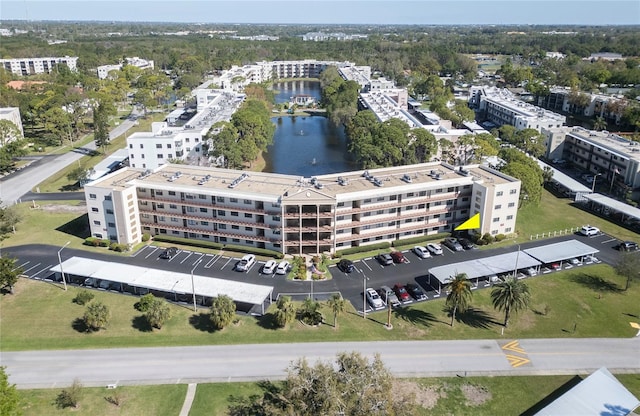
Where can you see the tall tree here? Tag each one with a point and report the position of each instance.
(101, 115)
(9, 273)
(337, 304)
(510, 295)
(8, 132)
(9, 218)
(9, 397)
(628, 266)
(96, 316)
(459, 294)
(222, 312)
(158, 313)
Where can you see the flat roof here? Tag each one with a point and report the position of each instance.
(164, 280)
(599, 394)
(487, 266)
(565, 180)
(272, 186)
(561, 251)
(615, 205)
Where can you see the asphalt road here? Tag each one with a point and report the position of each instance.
(135, 366)
(16, 185)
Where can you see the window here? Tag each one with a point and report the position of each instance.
(509, 217)
(381, 198)
(496, 219)
(92, 196)
(200, 196)
(248, 228)
(235, 227)
(513, 191)
(494, 232)
(186, 140)
(219, 199)
(168, 145)
(203, 210)
(107, 197)
(96, 222)
(340, 218)
(409, 195)
(367, 200)
(499, 193)
(276, 218)
(109, 211)
(233, 200)
(512, 204)
(160, 156)
(159, 193)
(174, 219)
(158, 145)
(221, 213)
(130, 145)
(94, 209)
(247, 215)
(160, 206)
(111, 224)
(141, 146)
(247, 202)
(170, 156)
(205, 223)
(507, 230)
(234, 213)
(499, 206)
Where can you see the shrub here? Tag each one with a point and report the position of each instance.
(488, 238)
(145, 302)
(96, 242)
(118, 247)
(500, 237)
(83, 297)
(369, 247)
(70, 397)
(146, 237)
(418, 240)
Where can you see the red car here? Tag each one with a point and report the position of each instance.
(401, 293)
(398, 257)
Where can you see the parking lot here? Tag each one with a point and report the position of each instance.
(368, 273)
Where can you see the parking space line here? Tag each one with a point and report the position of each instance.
(139, 251)
(20, 266)
(152, 251)
(32, 267)
(198, 260)
(609, 241)
(188, 255)
(225, 265)
(209, 263)
(365, 263)
(42, 270)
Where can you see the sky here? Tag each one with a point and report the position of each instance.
(426, 12)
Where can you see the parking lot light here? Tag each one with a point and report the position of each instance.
(593, 187)
(193, 288)
(64, 280)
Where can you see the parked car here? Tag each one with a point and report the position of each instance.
(575, 262)
(401, 293)
(283, 267)
(168, 253)
(627, 246)
(555, 266)
(435, 249)
(374, 299)
(245, 263)
(453, 244)
(531, 271)
(385, 259)
(466, 243)
(415, 291)
(346, 265)
(389, 296)
(588, 230)
(398, 257)
(269, 267)
(421, 252)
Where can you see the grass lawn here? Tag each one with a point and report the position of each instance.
(588, 298)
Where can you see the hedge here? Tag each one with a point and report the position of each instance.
(218, 246)
(360, 249)
(96, 242)
(418, 240)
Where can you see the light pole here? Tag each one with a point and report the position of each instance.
(193, 288)
(64, 281)
(515, 270)
(593, 187)
(388, 309)
(364, 294)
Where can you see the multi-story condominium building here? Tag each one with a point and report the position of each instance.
(166, 143)
(500, 107)
(11, 114)
(615, 158)
(293, 214)
(598, 105)
(30, 66)
(103, 70)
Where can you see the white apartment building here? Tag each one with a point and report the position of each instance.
(30, 66)
(165, 143)
(500, 107)
(103, 70)
(11, 114)
(597, 152)
(293, 214)
(600, 105)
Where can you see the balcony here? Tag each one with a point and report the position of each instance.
(210, 232)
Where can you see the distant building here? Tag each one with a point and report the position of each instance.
(11, 114)
(604, 56)
(103, 70)
(30, 66)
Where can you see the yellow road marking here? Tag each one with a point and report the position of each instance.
(513, 346)
(517, 361)
(634, 325)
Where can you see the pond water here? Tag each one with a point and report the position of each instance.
(306, 145)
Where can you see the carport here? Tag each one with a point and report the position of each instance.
(575, 188)
(559, 252)
(482, 268)
(142, 279)
(599, 200)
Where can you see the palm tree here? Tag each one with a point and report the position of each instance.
(337, 305)
(600, 124)
(285, 312)
(459, 294)
(510, 295)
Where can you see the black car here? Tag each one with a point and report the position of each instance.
(169, 253)
(346, 265)
(466, 243)
(628, 246)
(415, 291)
(453, 244)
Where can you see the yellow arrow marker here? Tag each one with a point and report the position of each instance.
(470, 224)
(513, 346)
(517, 361)
(634, 325)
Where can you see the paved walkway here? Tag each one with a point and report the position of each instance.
(188, 399)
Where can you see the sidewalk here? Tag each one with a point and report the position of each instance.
(188, 399)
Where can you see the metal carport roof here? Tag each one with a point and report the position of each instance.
(614, 204)
(165, 280)
(561, 251)
(486, 266)
(599, 394)
(566, 180)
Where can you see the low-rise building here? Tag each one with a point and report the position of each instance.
(293, 214)
(103, 70)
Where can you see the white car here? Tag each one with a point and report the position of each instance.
(435, 249)
(374, 299)
(245, 263)
(531, 271)
(575, 262)
(421, 252)
(269, 267)
(588, 230)
(283, 267)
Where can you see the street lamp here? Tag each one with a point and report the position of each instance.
(515, 270)
(64, 281)
(388, 309)
(193, 288)
(364, 294)
(593, 187)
